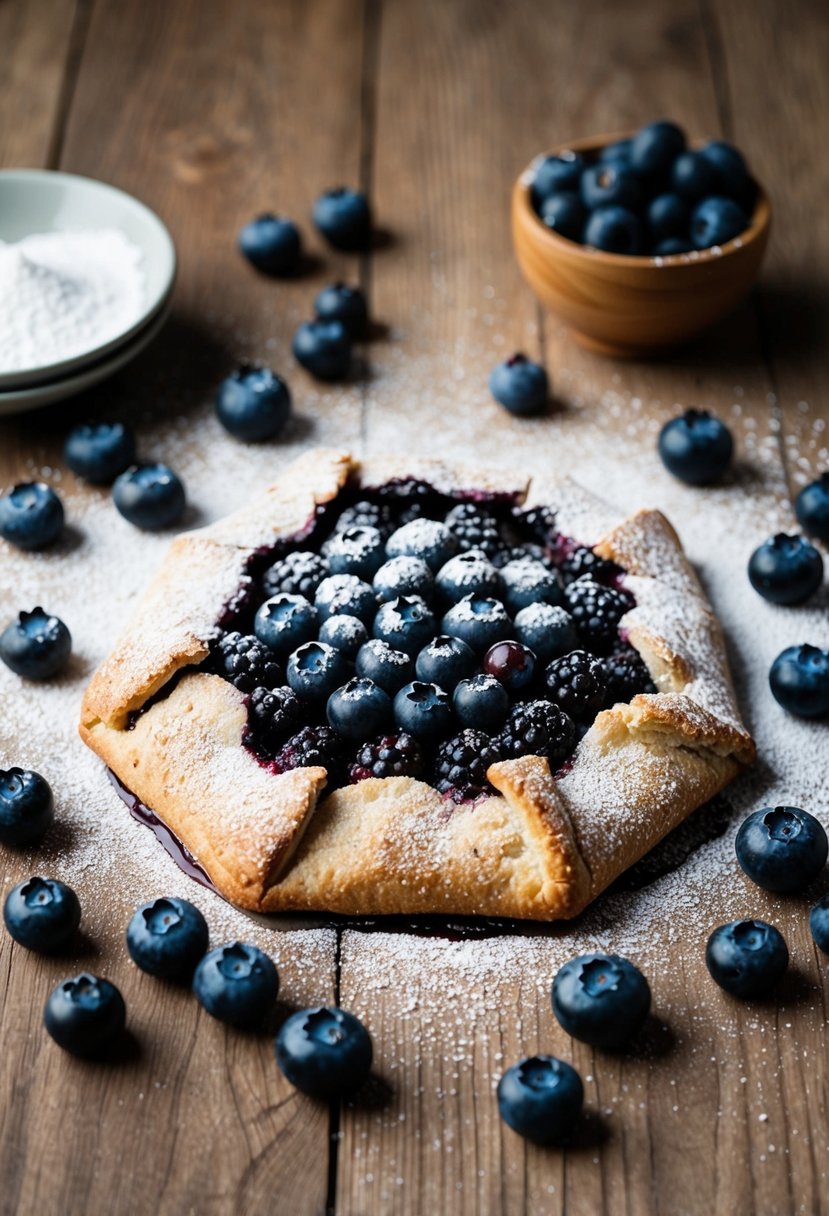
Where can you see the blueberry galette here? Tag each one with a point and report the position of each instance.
(400, 686)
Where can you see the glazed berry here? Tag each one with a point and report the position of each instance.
(575, 683)
(469, 573)
(26, 807)
(478, 620)
(149, 496)
(343, 216)
(313, 747)
(733, 177)
(345, 594)
(799, 680)
(601, 999)
(473, 528)
(242, 659)
(461, 765)
(253, 403)
(31, 515)
(274, 714)
(781, 848)
(423, 710)
(615, 230)
(445, 661)
(580, 560)
(597, 611)
(819, 924)
(541, 1098)
(403, 576)
(85, 1015)
(526, 582)
(556, 173)
(610, 184)
(324, 1052)
(389, 756)
(716, 221)
(656, 146)
(359, 709)
(520, 386)
(285, 622)
(42, 914)
(564, 213)
(36, 645)
(366, 514)
(693, 177)
(427, 539)
(511, 663)
(481, 702)
(236, 983)
(315, 670)
(387, 667)
(298, 573)
(667, 216)
(99, 451)
(625, 676)
(547, 629)
(167, 937)
(747, 958)
(538, 728)
(339, 302)
(812, 507)
(786, 569)
(671, 247)
(406, 623)
(323, 348)
(272, 244)
(696, 447)
(359, 550)
(345, 633)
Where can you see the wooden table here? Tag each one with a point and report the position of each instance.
(211, 112)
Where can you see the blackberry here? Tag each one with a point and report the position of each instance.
(541, 522)
(461, 765)
(388, 756)
(576, 683)
(597, 611)
(538, 728)
(313, 746)
(298, 573)
(273, 714)
(365, 514)
(242, 659)
(473, 528)
(523, 553)
(625, 675)
(581, 560)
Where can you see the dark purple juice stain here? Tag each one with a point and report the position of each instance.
(171, 844)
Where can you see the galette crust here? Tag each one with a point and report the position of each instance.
(542, 847)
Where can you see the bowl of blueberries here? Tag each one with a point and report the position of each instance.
(639, 242)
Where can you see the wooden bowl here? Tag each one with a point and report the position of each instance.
(631, 306)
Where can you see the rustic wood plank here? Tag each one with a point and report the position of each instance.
(36, 38)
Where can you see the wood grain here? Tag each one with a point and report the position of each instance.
(36, 37)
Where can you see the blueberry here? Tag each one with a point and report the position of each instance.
(406, 623)
(236, 983)
(620, 150)
(654, 148)
(85, 1015)
(445, 661)
(512, 663)
(733, 177)
(554, 174)
(468, 573)
(253, 403)
(480, 621)
(747, 958)
(781, 848)
(99, 451)
(345, 633)
(359, 709)
(26, 807)
(541, 1098)
(324, 1052)
(799, 680)
(785, 569)
(403, 575)
(696, 447)
(167, 937)
(427, 539)
(610, 184)
(693, 177)
(31, 515)
(481, 702)
(547, 629)
(150, 496)
(42, 914)
(323, 348)
(423, 709)
(36, 645)
(343, 216)
(716, 221)
(527, 581)
(615, 230)
(520, 386)
(360, 550)
(564, 213)
(285, 622)
(819, 924)
(315, 670)
(272, 244)
(812, 507)
(667, 216)
(601, 999)
(338, 302)
(346, 594)
(387, 667)
(671, 247)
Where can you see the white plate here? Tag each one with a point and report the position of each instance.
(37, 200)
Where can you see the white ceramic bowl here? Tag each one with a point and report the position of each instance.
(36, 200)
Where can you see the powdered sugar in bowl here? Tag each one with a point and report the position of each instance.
(86, 273)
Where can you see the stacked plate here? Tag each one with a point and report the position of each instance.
(35, 201)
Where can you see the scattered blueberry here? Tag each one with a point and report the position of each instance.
(405, 575)
(323, 348)
(610, 184)
(478, 620)
(406, 623)
(236, 983)
(424, 710)
(99, 451)
(359, 709)
(150, 496)
(360, 550)
(812, 507)
(615, 230)
(781, 848)
(819, 924)
(716, 221)
(315, 670)
(343, 216)
(667, 217)
(556, 173)
(547, 629)
(786, 569)
(693, 177)
(339, 302)
(564, 213)
(324, 1052)
(85, 1015)
(36, 645)
(31, 515)
(696, 447)
(26, 807)
(656, 146)
(167, 938)
(387, 667)
(468, 573)
(512, 663)
(346, 594)
(345, 633)
(520, 386)
(481, 702)
(747, 958)
(445, 661)
(601, 999)
(42, 914)
(272, 244)
(285, 622)
(427, 539)
(541, 1098)
(253, 403)
(799, 680)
